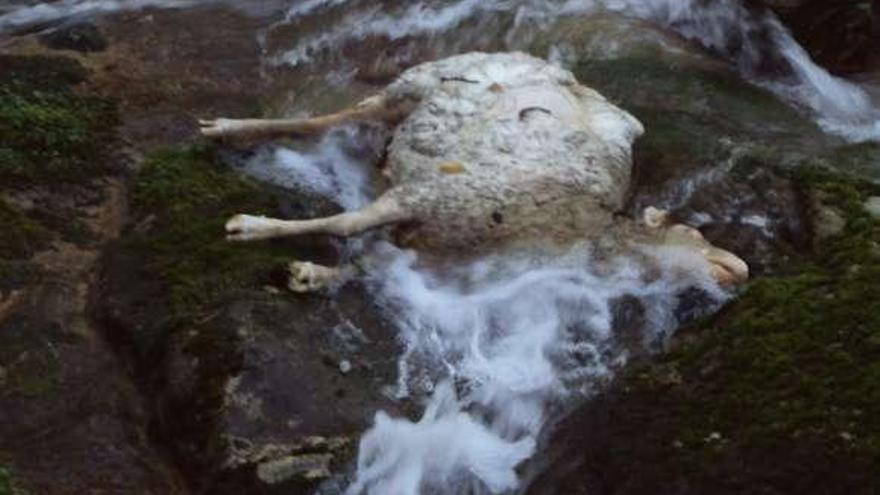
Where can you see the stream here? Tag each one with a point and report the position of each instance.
(495, 348)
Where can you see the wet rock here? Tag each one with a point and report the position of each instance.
(242, 396)
(69, 410)
(607, 37)
(81, 37)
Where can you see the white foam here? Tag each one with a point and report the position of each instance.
(517, 336)
(401, 457)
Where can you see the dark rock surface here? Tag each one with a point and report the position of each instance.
(841, 35)
(81, 37)
(257, 382)
(71, 420)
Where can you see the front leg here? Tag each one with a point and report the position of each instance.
(383, 211)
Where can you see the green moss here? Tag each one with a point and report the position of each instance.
(30, 356)
(790, 366)
(188, 195)
(8, 485)
(40, 73)
(21, 235)
(862, 159)
(48, 132)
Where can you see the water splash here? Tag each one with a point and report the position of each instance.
(336, 167)
(518, 336)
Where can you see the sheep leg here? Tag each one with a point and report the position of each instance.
(383, 211)
(372, 109)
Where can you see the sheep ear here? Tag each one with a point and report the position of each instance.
(655, 217)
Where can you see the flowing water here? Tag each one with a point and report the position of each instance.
(497, 347)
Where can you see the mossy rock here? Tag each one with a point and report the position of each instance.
(862, 159)
(780, 393)
(181, 199)
(8, 486)
(50, 134)
(40, 73)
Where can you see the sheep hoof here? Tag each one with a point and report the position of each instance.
(242, 228)
(307, 277)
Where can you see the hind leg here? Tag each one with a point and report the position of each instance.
(375, 109)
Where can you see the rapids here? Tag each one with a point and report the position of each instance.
(494, 348)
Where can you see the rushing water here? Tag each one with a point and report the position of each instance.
(495, 347)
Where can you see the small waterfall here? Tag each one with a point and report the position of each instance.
(765, 53)
(496, 346)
